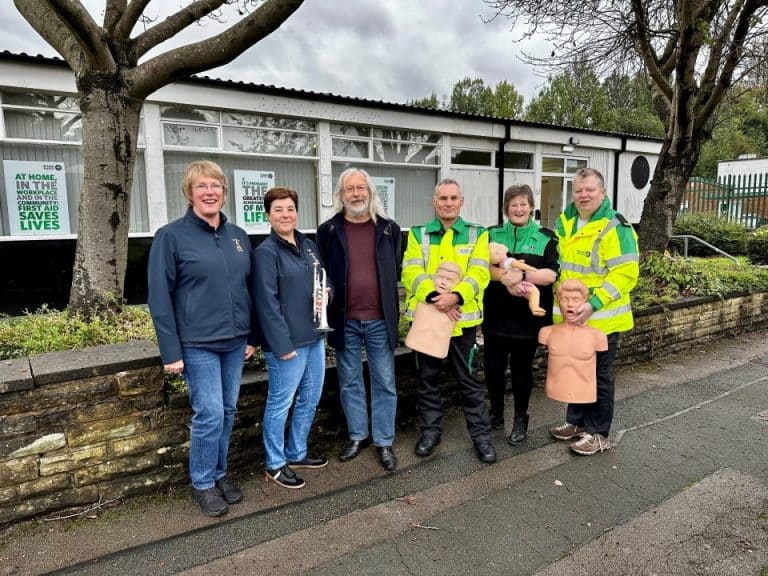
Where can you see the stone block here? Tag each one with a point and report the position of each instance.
(18, 470)
(13, 425)
(101, 430)
(142, 483)
(63, 416)
(112, 468)
(8, 495)
(49, 502)
(72, 460)
(148, 441)
(15, 375)
(96, 361)
(20, 446)
(43, 485)
(141, 381)
(62, 394)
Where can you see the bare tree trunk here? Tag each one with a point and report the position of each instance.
(110, 129)
(670, 178)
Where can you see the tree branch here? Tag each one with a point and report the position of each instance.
(647, 53)
(72, 17)
(732, 58)
(173, 24)
(112, 13)
(129, 18)
(212, 52)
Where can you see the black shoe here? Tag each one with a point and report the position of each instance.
(426, 445)
(285, 477)
(352, 448)
(497, 422)
(519, 429)
(231, 493)
(485, 452)
(211, 501)
(387, 458)
(310, 462)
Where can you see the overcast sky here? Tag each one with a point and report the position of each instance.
(391, 50)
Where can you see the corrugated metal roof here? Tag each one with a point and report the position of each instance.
(335, 98)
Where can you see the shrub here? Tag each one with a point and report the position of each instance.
(728, 236)
(51, 330)
(664, 279)
(757, 246)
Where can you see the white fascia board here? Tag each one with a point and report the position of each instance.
(644, 146)
(562, 136)
(40, 77)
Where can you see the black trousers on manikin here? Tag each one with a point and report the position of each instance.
(472, 391)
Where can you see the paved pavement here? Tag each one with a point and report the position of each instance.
(684, 491)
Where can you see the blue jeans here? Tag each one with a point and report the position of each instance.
(213, 379)
(381, 365)
(301, 378)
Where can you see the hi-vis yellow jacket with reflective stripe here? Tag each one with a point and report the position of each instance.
(604, 255)
(464, 244)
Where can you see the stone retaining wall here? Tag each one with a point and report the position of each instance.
(84, 426)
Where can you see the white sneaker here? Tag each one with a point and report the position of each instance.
(591, 444)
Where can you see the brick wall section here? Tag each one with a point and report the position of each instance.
(84, 426)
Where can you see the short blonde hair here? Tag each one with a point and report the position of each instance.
(202, 168)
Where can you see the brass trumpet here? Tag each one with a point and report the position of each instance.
(319, 295)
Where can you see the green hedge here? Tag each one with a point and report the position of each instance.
(728, 236)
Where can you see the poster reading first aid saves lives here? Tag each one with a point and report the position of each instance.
(36, 193)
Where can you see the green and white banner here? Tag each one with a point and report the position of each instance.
(249, 189)
(37, 197)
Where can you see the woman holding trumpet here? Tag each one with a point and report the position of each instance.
(288, 286)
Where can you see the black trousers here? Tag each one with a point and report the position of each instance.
(471, 390)
(518, 354)
(597, 417)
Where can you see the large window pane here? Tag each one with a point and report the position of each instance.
(259, 121)
(269, 141)
(552, 165)
(518, 161)
(402, 135)
(414, 188)
(572, 165)
(54, 101)
(43, 125)
(190, 136)
(471, 157)
(402, 152)
(72, 158)
(348, 130)
(350, 148)
(295, 173)
(193, 114)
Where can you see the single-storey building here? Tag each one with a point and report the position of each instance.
(265, 135)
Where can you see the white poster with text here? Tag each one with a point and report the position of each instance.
(385, 187)
(249, 189)
(37, 197)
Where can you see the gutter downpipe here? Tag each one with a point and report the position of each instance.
(500, 167)
(616, 171)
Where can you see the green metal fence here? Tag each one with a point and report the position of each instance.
(739, 198)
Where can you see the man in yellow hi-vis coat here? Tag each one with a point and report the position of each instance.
(448, 238)
(599, 247)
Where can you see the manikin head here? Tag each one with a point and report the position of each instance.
(571, 295)
(447, 276)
